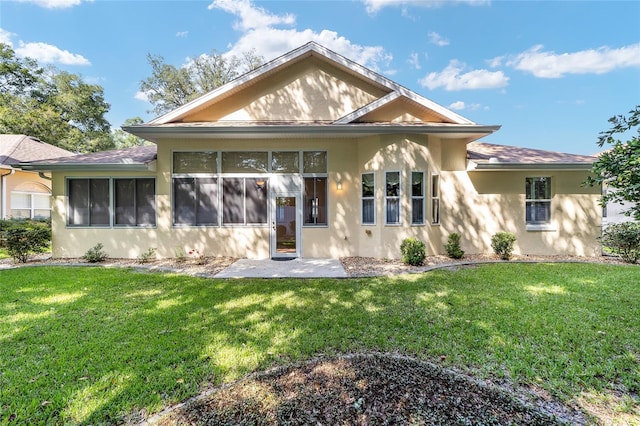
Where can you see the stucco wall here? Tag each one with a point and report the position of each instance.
(474, 204)
(23, 182)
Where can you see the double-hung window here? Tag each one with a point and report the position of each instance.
(392, 198)
(368, 199)
(314, 169)
(417, 198)
(538, 201)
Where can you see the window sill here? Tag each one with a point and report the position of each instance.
(541, 228)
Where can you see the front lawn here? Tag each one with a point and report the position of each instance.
(97, 345)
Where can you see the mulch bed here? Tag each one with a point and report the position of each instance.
(362, 389)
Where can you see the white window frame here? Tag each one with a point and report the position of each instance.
(418, 197)
(435, 199)
(32, 205)
(535, 225)
(393, 197)
(372, 198)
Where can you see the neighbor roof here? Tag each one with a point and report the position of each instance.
(19, 148)
(136, 158)
(485, 156)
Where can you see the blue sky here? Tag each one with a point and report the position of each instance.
(551, 73)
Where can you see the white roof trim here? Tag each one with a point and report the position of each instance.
(309, 49)
(378, 103)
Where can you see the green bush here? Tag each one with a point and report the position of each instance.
(95, 254)
(624, 240)
(21, 242)
(147, 256)
(453, 246)
(413, 251)
(7, 224)
(502, 244)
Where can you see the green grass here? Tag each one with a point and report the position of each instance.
(94, 345)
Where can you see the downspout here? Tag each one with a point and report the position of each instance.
(43, 176)
(3, 194)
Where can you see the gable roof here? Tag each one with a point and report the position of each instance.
(353, 123)
(18, 148)
(139, 158)
(484, 156)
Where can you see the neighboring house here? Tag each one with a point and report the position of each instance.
(25, 194)
(614, 212)
(313, 155)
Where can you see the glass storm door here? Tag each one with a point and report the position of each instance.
(285, 226)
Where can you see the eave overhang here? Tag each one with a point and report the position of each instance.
(469, 132)
(523, 167)
(112, 167)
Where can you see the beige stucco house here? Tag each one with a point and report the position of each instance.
(313, 155)
(25, 194)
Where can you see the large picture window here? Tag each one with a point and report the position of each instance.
(244, 201)
(368, 199)
(195, 201)
(417, 198)
(88, 202)
(538, 200)
(35, 205)
(134, 202)
(315, 201)
(392, 197)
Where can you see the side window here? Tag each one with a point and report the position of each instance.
(392, 197)
(368, 199)
(417, 198)
(538, 200)
(435, 199)
(315, 201)
(135, 202)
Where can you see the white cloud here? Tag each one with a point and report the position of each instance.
(273, 42)
(593, 61)
(453, 78)
(437, 39)
(48, 54)
(496, 62)
(414, 61)
(5, 37)
(460, 105)
(251, 16)
(54, 4)
(141, 96)
(457, 106)
(182, 34)
(373, 6)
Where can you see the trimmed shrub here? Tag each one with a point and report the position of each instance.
(413, 251)
(624, 240)
(21, 242)
(95, 254)
(453, 246)
(502, 244)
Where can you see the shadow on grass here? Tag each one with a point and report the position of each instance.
(92, 345)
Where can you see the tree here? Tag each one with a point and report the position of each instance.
(55, 106)
(127, 140)
(619, 167)
(169, 87)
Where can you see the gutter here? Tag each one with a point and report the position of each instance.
(142, 167)
(149, 132)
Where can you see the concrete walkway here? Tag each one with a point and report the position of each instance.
(294, 268)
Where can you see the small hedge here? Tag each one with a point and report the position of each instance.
(502, 244)
(453, 246)
(23, 238)
(413, 251)
(624, 240)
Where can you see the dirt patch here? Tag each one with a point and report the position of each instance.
(364, 389)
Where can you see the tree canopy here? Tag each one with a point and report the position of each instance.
(170, 87)
(55, 106)
(618, 168)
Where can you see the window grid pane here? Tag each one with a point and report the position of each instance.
(285, 162)
(538, 200)
(368, 200)
(392, 197)
(195, 162)
(315, 206)
(417, 198)
(314, 162)
(244, 162)
(435, 199)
